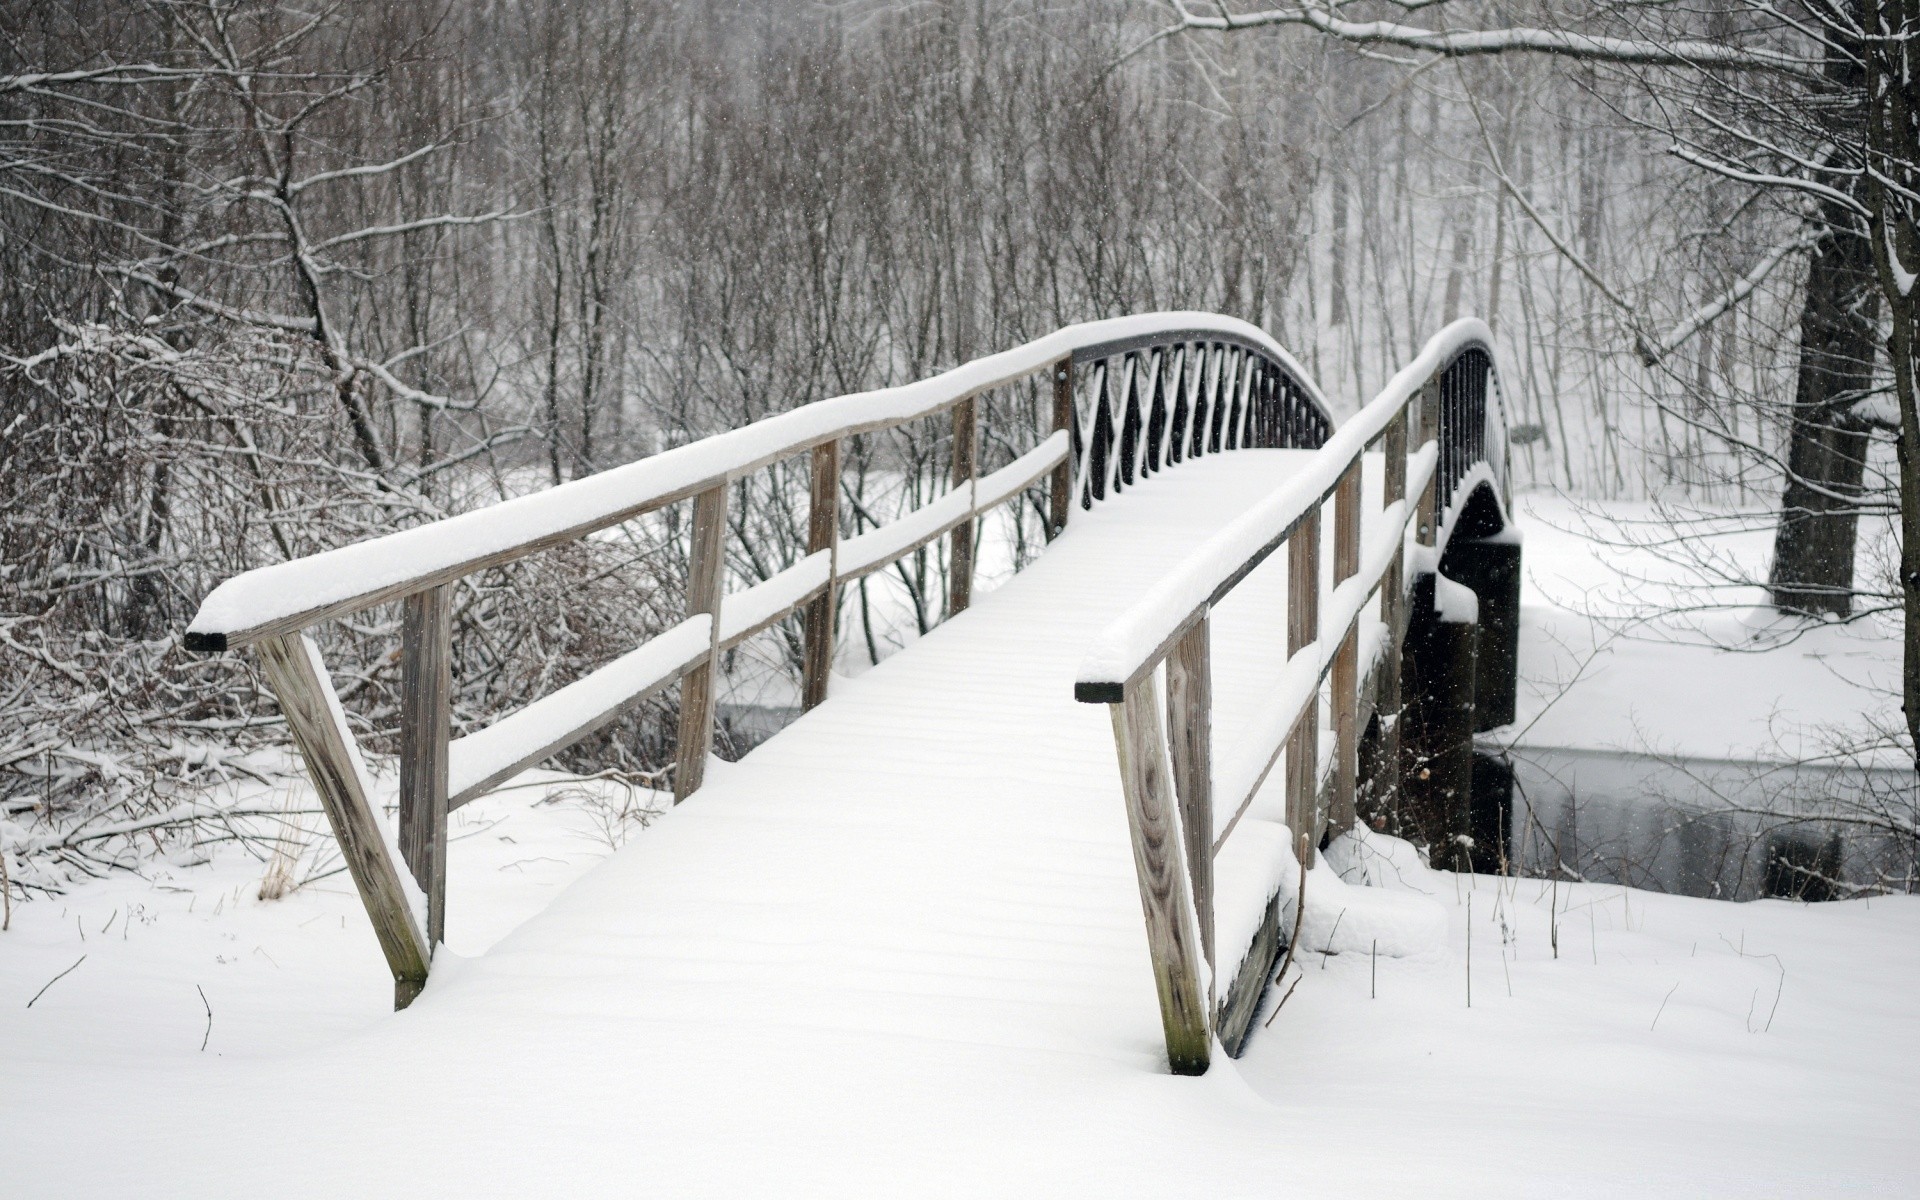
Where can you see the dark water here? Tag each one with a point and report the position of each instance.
(1701, 827)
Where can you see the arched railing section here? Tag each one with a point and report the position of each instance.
(1153, 401)
(1161, 388)
(1439, 429)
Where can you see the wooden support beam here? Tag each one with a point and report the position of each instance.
(1345, 683)
(1190, 734)
(1385, 785)
(1303, 744)
(966, 453)
(426, 685)
(1164, 899)
(706, 580)
(319, 726)
(1060, 494)
(823, 533)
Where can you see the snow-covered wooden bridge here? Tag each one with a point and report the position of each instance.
(936, 876)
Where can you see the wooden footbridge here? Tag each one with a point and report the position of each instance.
(941, 845)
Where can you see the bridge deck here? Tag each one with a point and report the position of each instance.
(910, 920)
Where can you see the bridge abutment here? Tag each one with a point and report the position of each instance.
(1436, 725)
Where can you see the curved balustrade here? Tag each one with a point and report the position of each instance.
(1131, 396)
(1434, 424)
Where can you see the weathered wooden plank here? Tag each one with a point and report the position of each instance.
(234, 639)
(1393, 614)
(1190, 735)
(1303, 744)
(1060, 494)
(426, 685)
(823, 533)
(492, 755)
(1164, 899)
(966, 452)
(706, 578)
(1234, 1018)
(1346, 660)
(299, 681)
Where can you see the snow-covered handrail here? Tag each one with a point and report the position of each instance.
(1137, 640)
(293, 595)
(1441, 435)
(1159, 389)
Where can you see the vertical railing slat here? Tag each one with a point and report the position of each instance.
(426, 685)
(1164, 898)
(1060, 491)
(823, 533)
(1345, 683)
(706, 578)
(1303, 743)
(966, 453)
(1190, 734)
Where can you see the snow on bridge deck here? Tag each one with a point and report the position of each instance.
(897, 951)
(902, 935)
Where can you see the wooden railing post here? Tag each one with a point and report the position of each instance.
(966, 449)
(706, 577)
(426, 685)
(1060, 492)
(1427, 514)
(1393, 610)
(1303, 743)
(1190, 734)
(314, 717)
(823, 533)
(1346, 660)
(1164, 899)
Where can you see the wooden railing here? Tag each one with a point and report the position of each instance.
(1130, 397)
(1434, 428)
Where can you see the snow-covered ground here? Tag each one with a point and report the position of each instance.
(1624, 647)
(897, 951)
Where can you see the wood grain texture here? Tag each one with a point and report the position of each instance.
(966, 452)
(1060, 493)
(823, 533)
(1164, 899)
(426, 684)
(1303, 744)
(1345, 684)
(1241, 1004)
(234, 639)
(1190, 737)
(293, 669)
(706, 579)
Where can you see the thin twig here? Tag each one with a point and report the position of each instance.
(1663, 1004)
(56, 979)
(1330, 935)
(203, 1004)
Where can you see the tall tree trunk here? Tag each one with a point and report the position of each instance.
(1893, 150)
(1813, 549)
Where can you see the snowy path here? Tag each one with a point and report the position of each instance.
(897, 951)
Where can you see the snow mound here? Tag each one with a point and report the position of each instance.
(1361, 900)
